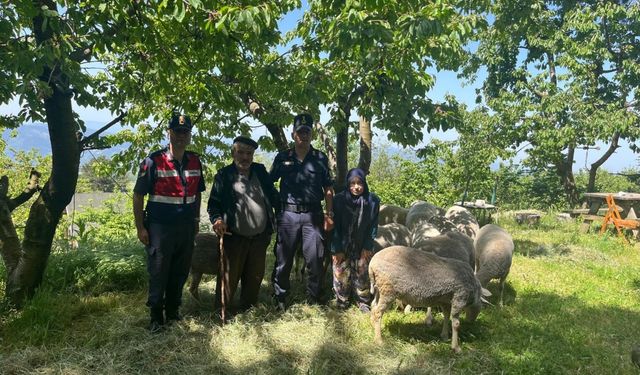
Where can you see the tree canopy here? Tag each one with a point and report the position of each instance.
(561, 75)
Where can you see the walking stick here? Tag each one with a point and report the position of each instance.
(223, 275)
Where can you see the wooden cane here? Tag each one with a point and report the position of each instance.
(223, 275)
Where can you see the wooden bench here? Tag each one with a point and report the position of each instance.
(585, 211)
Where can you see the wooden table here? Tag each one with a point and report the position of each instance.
(480, 210)
(628, 202)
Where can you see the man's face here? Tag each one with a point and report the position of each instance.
(180, 137)
(302, 136)
(242, 156)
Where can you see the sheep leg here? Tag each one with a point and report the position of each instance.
(382, 304)
(429, 319)
(195, 282)
(446, 310)
(502, 282)
(455, 325)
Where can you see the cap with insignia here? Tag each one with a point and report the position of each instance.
(180, 122)
(303, 120)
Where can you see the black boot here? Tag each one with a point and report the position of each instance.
(157, 320)
(173, 315)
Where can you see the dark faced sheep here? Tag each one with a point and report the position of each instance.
(204, 260)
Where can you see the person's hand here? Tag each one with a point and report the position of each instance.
(143, 236)
(366, 255)
(328, 223)
(220, 227)
(338, 258)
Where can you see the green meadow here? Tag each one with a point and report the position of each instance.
(571, 306)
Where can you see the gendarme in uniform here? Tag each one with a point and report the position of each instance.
(305, 182)
(172, 178)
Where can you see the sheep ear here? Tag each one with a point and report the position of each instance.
(486, 293)
(486, 301)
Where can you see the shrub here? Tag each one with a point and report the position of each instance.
(95, 271)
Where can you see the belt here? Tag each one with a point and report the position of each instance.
(297, 208)
(248, 237)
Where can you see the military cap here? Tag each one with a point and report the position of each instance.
(247, 141)
(303, 120)
(180, 122)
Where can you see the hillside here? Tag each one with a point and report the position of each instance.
(36, 136)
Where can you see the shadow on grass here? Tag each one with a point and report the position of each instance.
(538, 333)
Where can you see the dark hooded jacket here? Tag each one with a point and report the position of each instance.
(355, 219)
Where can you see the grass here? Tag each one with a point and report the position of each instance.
(571, 306)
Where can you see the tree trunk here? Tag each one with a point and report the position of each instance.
(564, 169)
(598, 163)
(328, 146)
(25, 275)
(365, 144)
(277, 134)
(342, 148)
(342, 144)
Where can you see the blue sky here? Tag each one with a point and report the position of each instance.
(446, 82)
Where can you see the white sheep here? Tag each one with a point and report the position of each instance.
(443, 224)
(421, 278)
(422, 232)
(420, 211)
(454, 245)
(494, 254)
(390, 235)
(464, 220)
(392, 214)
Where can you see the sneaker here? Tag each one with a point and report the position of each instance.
(365, 309)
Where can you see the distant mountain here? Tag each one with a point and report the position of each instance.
(36, 136)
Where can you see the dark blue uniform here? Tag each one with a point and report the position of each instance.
(302, 187)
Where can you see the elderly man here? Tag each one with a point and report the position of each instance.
(172, 177)
(241, 207)
(305, 181)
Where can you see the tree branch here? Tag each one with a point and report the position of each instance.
(612, 148)
(32, 187)
(85, 141)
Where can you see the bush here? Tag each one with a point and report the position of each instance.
(95, 271)
(95, 227)
(608, 182)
